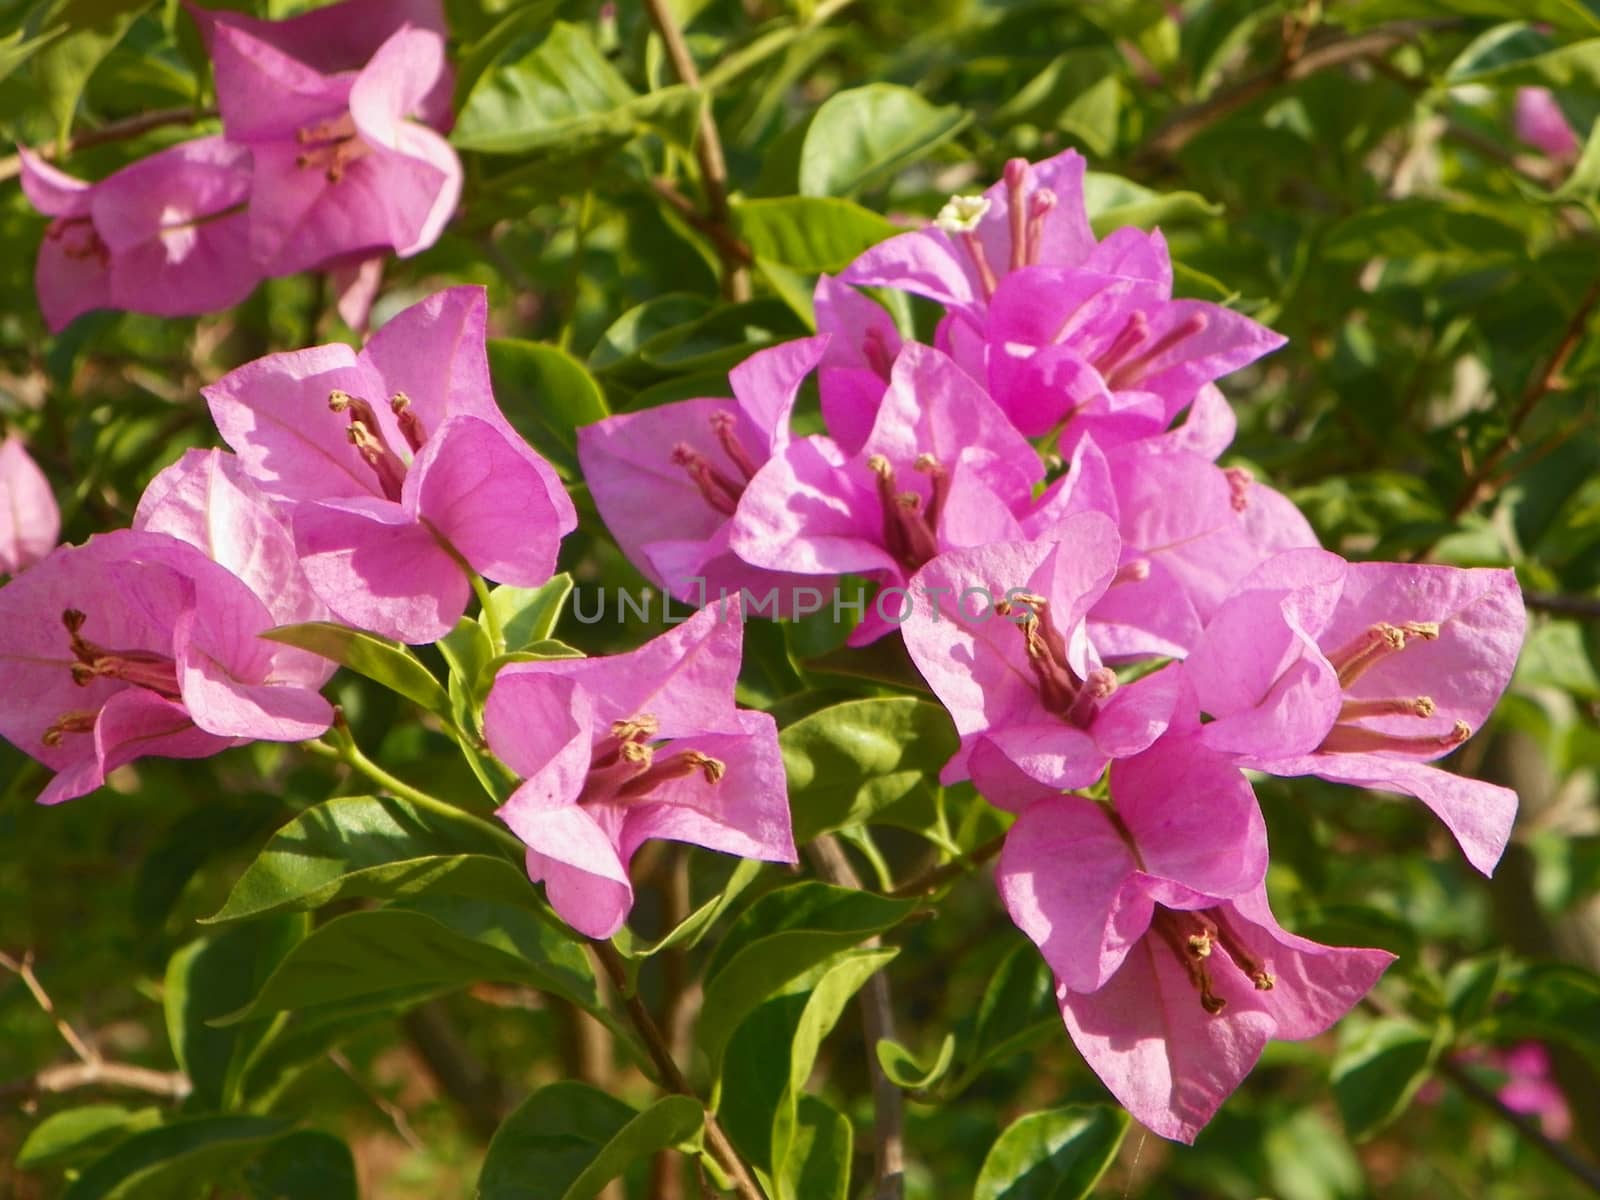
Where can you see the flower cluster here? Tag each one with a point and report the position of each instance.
(1038, 489)
(330, 158)
(1118, 626)
(376, 488)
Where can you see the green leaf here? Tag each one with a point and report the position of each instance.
(1057, 1154)
(1555, 1002)
(92, 29)
(375, 847)
(1112, 201)
(1470, 988)
(546, 394)
(432, 941)
(809, 233)
(215, 976)
(1515, 56)
(1423, 229)
(692, 928)
(378, 658)
(1378, 1069)
(568, 1140)
(1079, 93)
(563, 100)
(17, 48)
(467, 652)
(852, 760)
(77, 1133)
(529, 615)
(867, 134)
(792, 1146)
(903, 1069)
(779, 938)
(817, 1166)
(1019, 999)
(305, 1165)
(173, 1161)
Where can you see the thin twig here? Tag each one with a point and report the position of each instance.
(396, 1114)
(1585, 608)
(68, 1077)
(1579, 1168)
(671, 1077)
(90, 1070)
(936, 877)
(877, 1020)
(1183, 126)
(1541, 384)
(679, 1004)
(116, 131)
(708, 147)
(23, 969)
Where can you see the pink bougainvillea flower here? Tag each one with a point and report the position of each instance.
(1363, 673)
(341, 165)
(30, 522)
(339, 38)
(1531, 1088)
(137, 644)
(1072, 335)
(1172, 974)
(1541, 123)
(165, 235)
(616, 751)
(667, 480)
(1033, 216)
(1104, 349)
(399, 470)
(207, 500)
(941, 468)
(1190, 531)
(998, 632)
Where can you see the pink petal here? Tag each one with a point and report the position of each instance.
(483, 495)
(542, 727)
(584, 879)
(1063, 876)
(30, 521)
(745, 813)
(1166, 1060)
(377, 568)
(274, 413)
(1193, 816)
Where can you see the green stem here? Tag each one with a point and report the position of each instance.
(347, 752)
(491, 619)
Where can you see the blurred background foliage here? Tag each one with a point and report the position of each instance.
(1346, 172)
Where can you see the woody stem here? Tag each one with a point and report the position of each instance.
(708, 148)
(672, 1078)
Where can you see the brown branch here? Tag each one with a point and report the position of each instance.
(936, 877)
(68, 1077)
(877, 1022)
(727, 242)
(1546, 380)
(481, 1095)
(1579, 1168)
(679, 1005)
(671, 1077)
(116, 131)
(1297, 62)
(708, 149)
(1585, 608)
